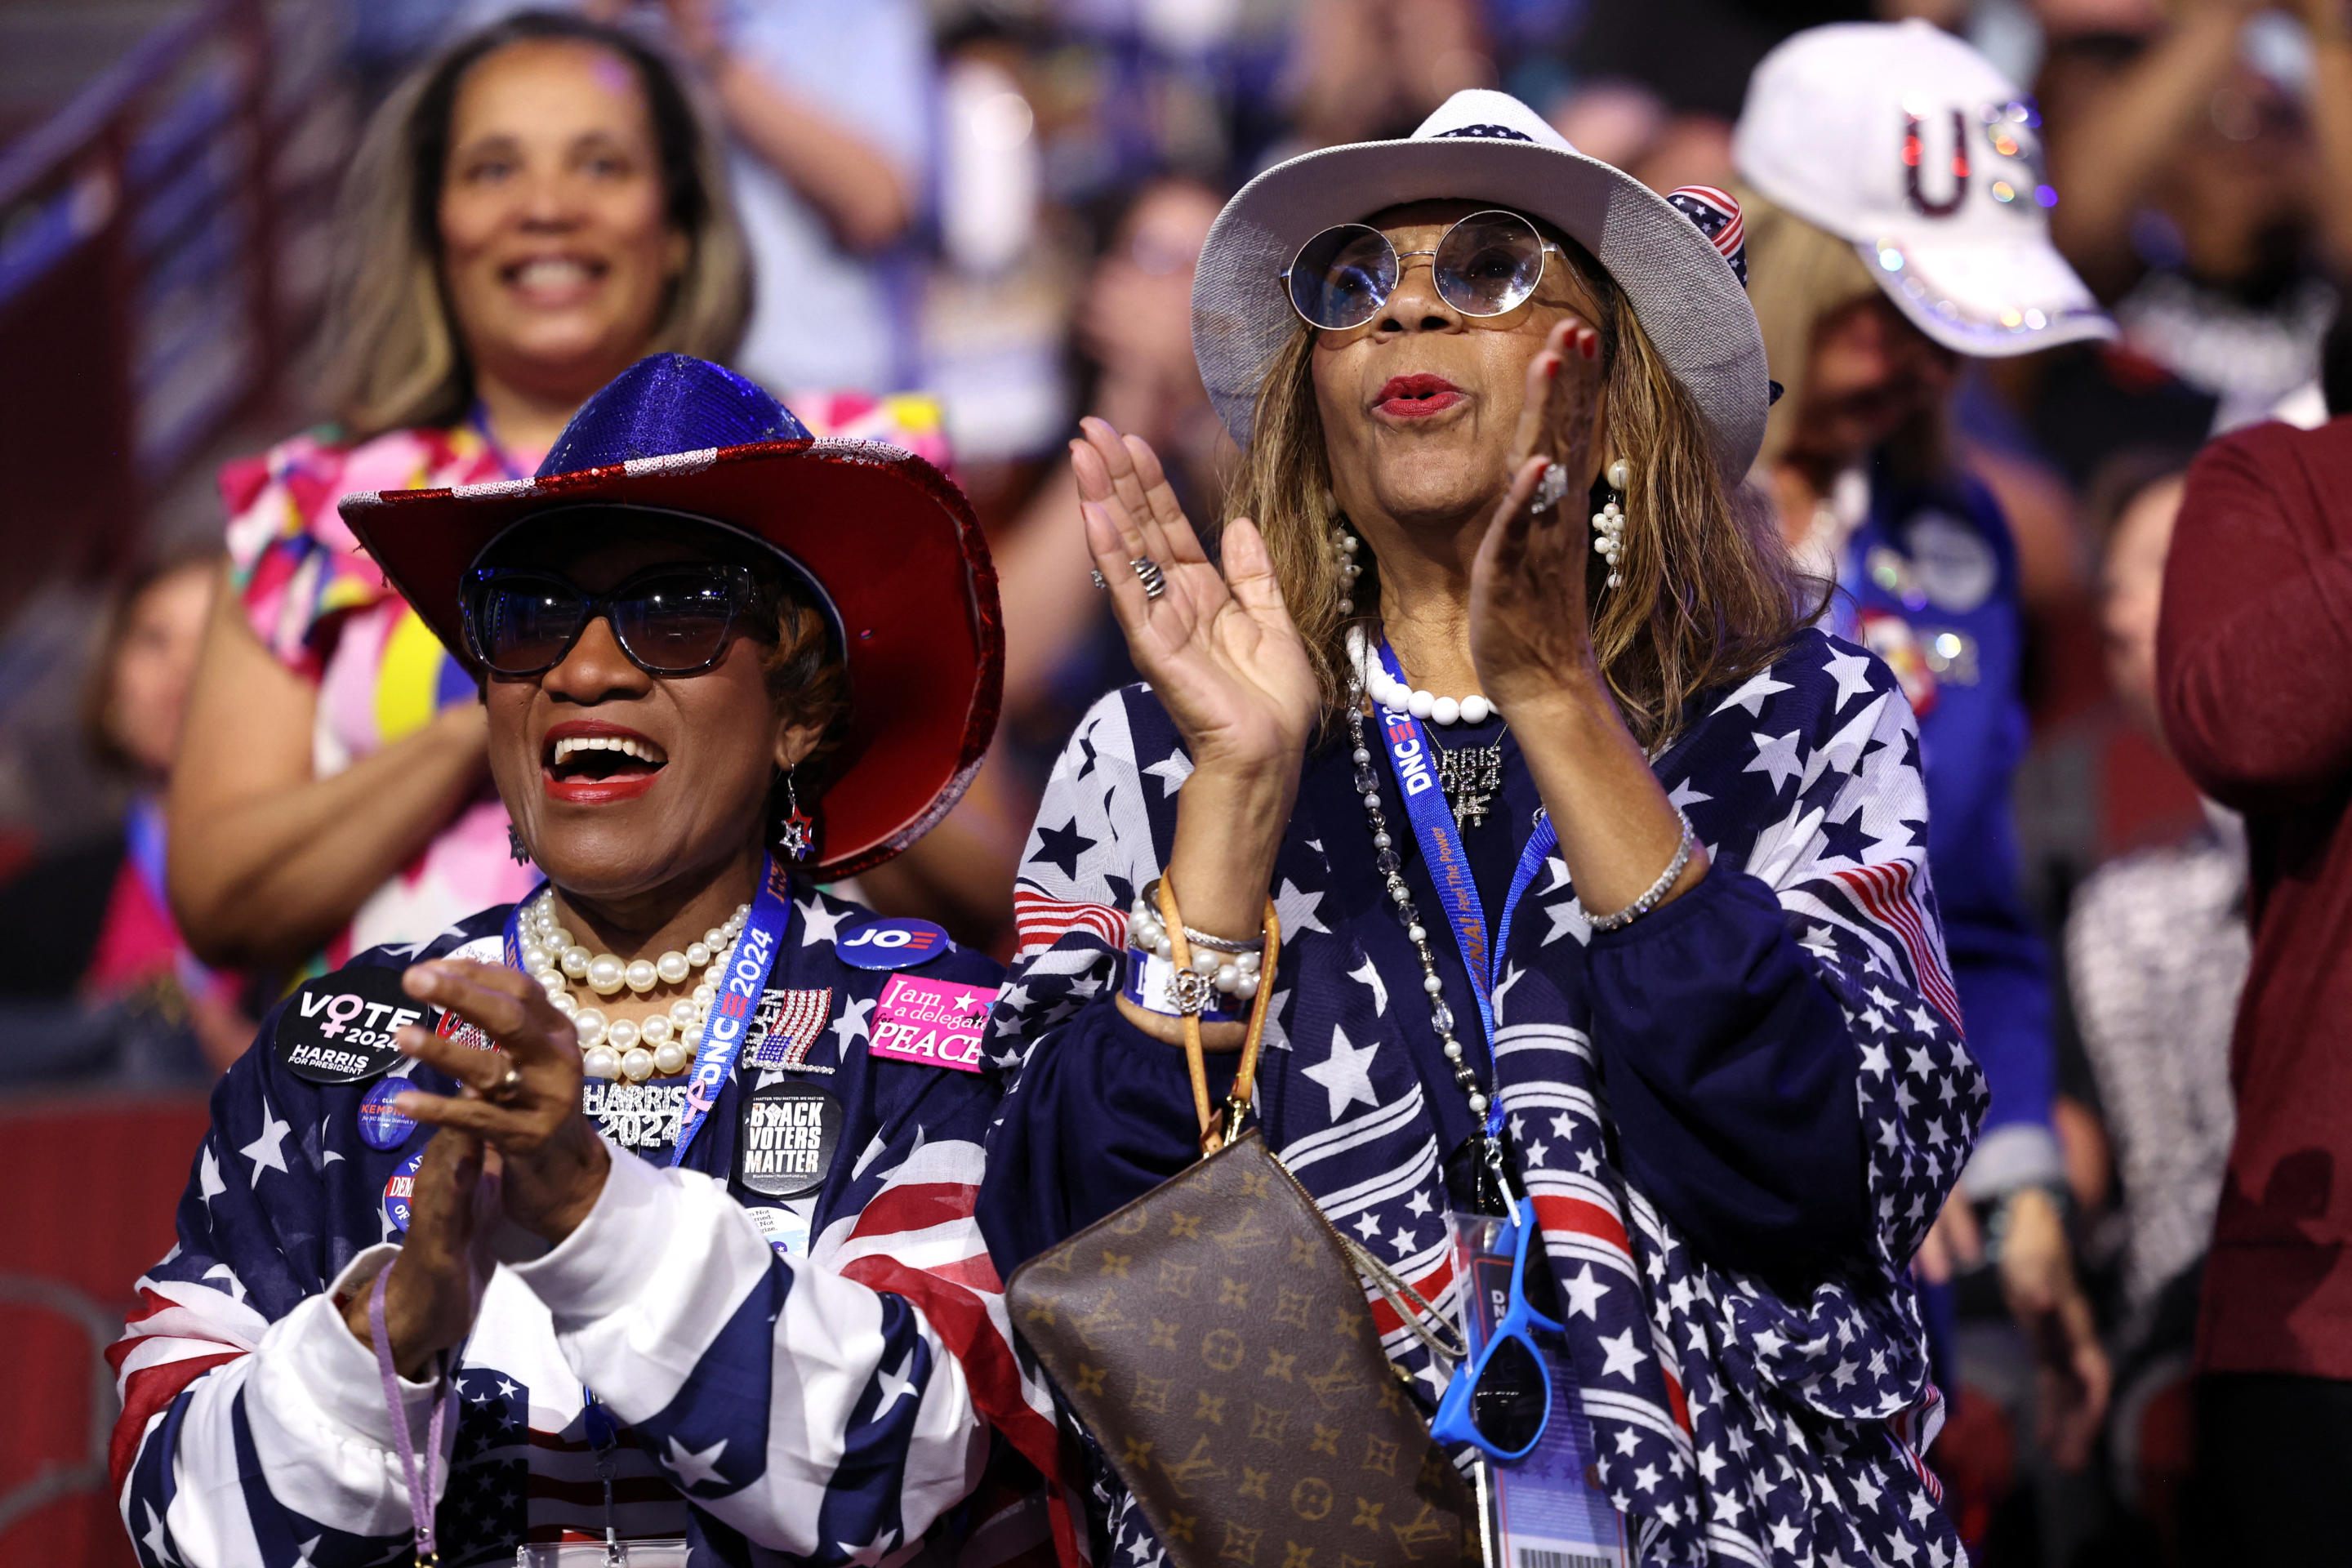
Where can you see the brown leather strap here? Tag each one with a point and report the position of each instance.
(1217, 1128)
(1245, 1075)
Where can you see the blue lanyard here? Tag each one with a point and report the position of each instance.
(1411, 755)
(143, 835)
(479, 418)
(739, 998)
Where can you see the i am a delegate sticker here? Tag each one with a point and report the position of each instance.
(935, 1022)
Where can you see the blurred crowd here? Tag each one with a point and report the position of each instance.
(960, 227)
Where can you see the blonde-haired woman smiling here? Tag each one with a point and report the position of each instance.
(530, 214)
(1654, 949)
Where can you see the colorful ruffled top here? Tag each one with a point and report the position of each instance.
(319, 604)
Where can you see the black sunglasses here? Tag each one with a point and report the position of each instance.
(669, 620)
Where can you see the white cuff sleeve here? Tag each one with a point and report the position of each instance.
(315, 1401)
(593, 1272)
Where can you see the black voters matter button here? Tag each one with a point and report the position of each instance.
(338, 1028)
(784, 1146)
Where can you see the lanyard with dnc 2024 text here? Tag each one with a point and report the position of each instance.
(730, 1014)
(1413, 757)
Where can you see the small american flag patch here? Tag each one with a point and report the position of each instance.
(787, 1025)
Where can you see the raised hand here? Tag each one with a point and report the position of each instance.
(436, 1281)
(1219, 647)
(1529, 635)
(552, 1164)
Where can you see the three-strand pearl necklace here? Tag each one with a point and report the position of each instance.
(617, 1047)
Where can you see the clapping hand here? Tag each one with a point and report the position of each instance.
(521, 1099)
(1530, 633)
(436, 1283)
(1219, 647)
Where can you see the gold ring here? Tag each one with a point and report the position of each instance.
(510, 1084)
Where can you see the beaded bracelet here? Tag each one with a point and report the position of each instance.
(1158, 984)
(1146, 914)
(1658, 889)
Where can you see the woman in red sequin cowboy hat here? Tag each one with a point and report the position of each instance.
(681, 1150)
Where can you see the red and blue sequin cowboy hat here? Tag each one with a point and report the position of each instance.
(887, 543)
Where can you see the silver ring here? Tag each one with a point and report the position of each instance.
(1147, 571)
(1549, 489)
(510, 1084)
(1098, 579)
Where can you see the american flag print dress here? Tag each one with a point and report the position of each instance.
(1734, 1420)
(824, 1407)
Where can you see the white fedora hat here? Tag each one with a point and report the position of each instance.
(1684, 280)
(1901, 139)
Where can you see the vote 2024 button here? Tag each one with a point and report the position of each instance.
(338, 1028)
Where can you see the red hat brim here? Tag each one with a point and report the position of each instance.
(887, 537)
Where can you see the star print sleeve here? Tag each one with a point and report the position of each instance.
(1100, 1120)
(818, 1416)
(1100, 1112)
(1731, 1077)
(254, 1427)
(1845, 856)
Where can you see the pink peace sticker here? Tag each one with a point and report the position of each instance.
(935, 1022)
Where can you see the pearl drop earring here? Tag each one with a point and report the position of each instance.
(1344, 545)
(1609, 523)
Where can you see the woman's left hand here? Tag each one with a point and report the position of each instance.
(1529, 633)
(553, 1162)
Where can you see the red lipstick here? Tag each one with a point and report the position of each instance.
(585, 762)
(1416, 396)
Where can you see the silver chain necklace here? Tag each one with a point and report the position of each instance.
(1390, 867)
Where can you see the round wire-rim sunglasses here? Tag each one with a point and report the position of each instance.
(1485, 263)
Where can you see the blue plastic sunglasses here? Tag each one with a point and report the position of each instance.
(1499, 1402)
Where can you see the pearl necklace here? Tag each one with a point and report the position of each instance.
(1398, 696)
(619, 1048)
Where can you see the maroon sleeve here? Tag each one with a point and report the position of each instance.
(2254, 646)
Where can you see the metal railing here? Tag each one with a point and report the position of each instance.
(161, 254)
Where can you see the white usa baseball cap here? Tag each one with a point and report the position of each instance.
(1901, 138)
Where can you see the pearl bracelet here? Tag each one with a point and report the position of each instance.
(1221, 975)
(1658, 889)
(1232, 965)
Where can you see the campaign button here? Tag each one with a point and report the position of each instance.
(381, 1126)
(467, 1034)
(786, 1138)
(399, 1190)
(893, 944)
(338, 1028)
(785, 1228)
